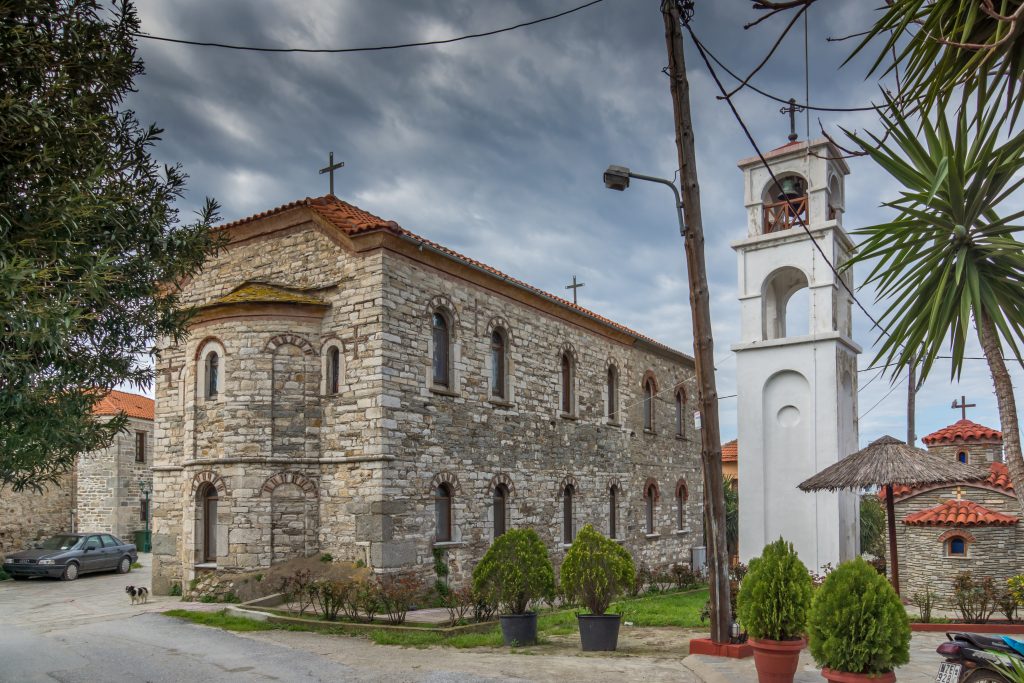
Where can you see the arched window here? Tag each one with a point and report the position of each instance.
(567, 514)
(956, 546)
(786, 304)
(333, 369)
(567, 377)
(443, 511)
(500, 509)
(681, 497)
(962, 457)
(441, 337)
(649, 404)
(612, 395)
(207, 500)
(613, 511)
(498, 363)
(680, 413)
(212, 375)
(650, 493)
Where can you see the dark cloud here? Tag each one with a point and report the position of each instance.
(495, 146)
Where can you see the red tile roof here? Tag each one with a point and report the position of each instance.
(352, 220)
(959, 513)
(998, 478)
(117, 402)
(963, 430)
(730, 451)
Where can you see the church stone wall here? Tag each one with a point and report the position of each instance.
(109, 495)
(474, 440)
(978, 452)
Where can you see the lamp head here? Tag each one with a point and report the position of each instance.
(616, 178)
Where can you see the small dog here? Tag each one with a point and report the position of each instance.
(139, 595)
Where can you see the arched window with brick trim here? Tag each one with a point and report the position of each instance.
(648, 404)
(210, 370)
(568, 532)
(443, 512)
(681, 497)
(613, 511)
(680, 412)
(499, 364)
(501, 495)
(650, 497)
(956, 546)
(612, 395)
(566, 382)
(441, 339)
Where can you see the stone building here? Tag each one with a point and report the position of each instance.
(101, 493)
(353, 388)
(970, 526)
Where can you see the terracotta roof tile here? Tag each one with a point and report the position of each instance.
(353, 220)
(963, 430)
(959, 513)
(117, 402)
(730, 451)
(998, 478)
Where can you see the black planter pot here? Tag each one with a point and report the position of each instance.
(599, 633)
(519, 629)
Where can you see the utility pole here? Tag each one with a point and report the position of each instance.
(700, 309)
(912, 403)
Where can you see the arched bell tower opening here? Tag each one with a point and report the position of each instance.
(796, 361)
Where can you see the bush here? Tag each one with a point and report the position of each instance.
(3, 575)
(974, 599)
(684, 577)
(514, 571)
(925, 602)
(331, 596)
(459, 602)
(596, 570)
(858, 624)
(775, 594)
(397, 594)
(1007, 604)
(872, 526)
(175, 589)
(298, 590)
(1015, 585)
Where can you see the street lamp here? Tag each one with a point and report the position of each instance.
(617, 178)
(145, 489)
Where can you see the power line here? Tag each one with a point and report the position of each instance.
(894, 387)
(377, 48)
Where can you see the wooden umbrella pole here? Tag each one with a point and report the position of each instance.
(894, 565)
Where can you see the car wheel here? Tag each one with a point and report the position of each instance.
(70, 571)
(125, 565)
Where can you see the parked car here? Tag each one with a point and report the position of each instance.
(66, 556)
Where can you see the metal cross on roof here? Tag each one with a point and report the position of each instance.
(574, 286)
(963, 406)
(331, 168)
(792, 109)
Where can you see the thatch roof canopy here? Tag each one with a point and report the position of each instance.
(890, 461)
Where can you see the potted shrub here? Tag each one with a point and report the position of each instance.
(772, 606)
(858, 628)
(595, 571)
(514, 572)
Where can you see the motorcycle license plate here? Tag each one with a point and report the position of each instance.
(948, 673)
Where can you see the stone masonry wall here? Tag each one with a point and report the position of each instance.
(109, 496)
(28, 516)
(978, 452)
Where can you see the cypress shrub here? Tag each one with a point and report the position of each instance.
(515, 571)
(596, 570)
(775, 594)
(858, 624)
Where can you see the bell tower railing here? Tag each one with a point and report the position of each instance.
(784, 215)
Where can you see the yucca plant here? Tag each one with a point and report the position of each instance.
(949, 257)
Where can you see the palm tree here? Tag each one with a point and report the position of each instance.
(948, 258)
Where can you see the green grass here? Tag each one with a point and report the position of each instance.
(664, 609)
(221, 620)
(136, 565)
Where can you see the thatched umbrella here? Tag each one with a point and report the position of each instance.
(889, 462)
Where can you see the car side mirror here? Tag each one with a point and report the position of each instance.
(91, 546)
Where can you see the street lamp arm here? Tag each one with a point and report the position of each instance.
(675, 191)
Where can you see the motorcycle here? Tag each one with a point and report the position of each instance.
(976, 658)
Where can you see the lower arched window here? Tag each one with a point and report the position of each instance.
(567, 514)
(207, 499)
(500, 509)
(650, 493)
(956, 546)
(443, 512)
(681, 496)
(613, 511)
(333, 369)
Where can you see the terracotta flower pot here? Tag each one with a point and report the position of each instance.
(844, 677)
(776, 660)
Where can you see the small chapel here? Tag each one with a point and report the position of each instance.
(350, 387)
(973, 526)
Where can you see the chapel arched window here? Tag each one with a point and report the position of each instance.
(443, 512)
(499, 379)
(441, 338)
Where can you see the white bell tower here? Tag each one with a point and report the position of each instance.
(796, 361)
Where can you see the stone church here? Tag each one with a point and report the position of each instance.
(972, 526)
(352, 388)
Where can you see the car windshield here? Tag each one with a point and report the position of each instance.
(60, 543)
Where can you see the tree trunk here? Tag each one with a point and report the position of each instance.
(989, 337)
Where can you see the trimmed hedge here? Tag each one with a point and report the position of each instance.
(515, 571)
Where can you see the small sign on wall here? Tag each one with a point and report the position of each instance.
(696, 420)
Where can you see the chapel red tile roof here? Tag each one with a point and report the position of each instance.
(353, 221)
(730, 451)
(963, 430)
(959, 513)
(998, 478)
(117, 402)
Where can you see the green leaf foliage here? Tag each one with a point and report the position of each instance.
(596, 570)
(775, 594)
(857, 623)
(872, 526)
(515, 571)
(90, 240)
(948, 256)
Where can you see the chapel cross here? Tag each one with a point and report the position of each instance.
(574, 286)
(331, 168)
(792, 110)
(963, 406)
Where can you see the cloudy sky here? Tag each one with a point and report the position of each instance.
(495, 146)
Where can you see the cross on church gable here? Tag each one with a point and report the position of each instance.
(963, 406)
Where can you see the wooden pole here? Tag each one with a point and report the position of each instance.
(912, 403)
(703, 342)
(894, 564)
